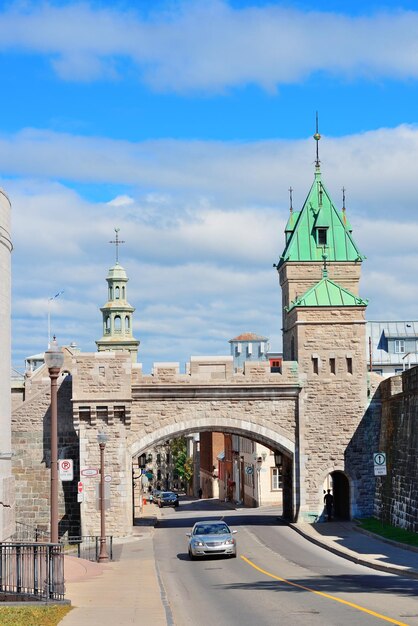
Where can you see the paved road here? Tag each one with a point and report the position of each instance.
(274, 578)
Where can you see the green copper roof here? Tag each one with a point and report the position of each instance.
(319, 220)
(327, 293)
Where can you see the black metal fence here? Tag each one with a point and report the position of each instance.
(32, 569)
(88, 546)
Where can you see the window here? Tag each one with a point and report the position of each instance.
(349, 365)
(315, 365)
(123, 293)
(84, 412)
(262, 347)
(119, 412)
(102, 412)
(399, 346)
(117, 293)
(332, 367)
(239, 347)
(276, 479)
(102, 371)
(250, 348)
(118, 324)
(321, 236)
(127, 324)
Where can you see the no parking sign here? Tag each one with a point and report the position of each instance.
(66, 469)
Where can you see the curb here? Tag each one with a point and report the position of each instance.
(354, 557)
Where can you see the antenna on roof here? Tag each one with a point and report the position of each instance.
(117, 243)
(317, 137)
(291, 199)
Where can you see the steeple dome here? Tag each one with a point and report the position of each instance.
(117, 312)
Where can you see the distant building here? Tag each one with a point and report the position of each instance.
(248, 347)
(392, 346)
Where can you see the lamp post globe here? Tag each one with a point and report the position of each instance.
(54, 360)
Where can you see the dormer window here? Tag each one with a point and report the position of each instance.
(321, 236)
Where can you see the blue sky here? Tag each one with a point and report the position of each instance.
(184, 124)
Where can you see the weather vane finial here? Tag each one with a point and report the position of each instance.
(291, 199)
(117, 243)
(317, 137)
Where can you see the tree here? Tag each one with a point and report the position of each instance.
(182, 462)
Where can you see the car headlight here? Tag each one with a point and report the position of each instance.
(230, 542)
(198, 543)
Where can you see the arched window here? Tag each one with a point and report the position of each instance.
(127, 324)
(123, 293)
(110, 292)
(118, 324)
(107, 325)
(117, 293)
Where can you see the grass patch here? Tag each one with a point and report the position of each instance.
(33, 615)
(389, 532)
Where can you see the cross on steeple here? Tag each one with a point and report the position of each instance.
(117, 243)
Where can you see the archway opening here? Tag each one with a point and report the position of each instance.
(341, 493)
(234, 465)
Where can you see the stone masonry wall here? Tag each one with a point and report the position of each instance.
(331, 353)
(31, 463)
(397, 493)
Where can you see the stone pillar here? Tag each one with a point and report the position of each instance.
(7, 498)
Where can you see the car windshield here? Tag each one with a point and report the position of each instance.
(167, 494)
(211, 529)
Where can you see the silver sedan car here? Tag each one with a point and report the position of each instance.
(210, 538)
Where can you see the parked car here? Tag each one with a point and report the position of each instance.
(210, 538)
(167, 498)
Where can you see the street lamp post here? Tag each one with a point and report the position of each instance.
(54, 359)
(103, 556)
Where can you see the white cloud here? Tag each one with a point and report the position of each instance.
(199, 247)
(184, 48)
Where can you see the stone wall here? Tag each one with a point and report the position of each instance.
(330, 349)
(396, 499)
(32, 460)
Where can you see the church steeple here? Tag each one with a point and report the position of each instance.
(117, 312)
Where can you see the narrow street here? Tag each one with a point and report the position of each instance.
(274, 580)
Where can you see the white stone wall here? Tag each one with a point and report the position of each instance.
(6, 480)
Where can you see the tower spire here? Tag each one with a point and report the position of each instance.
(117, 243)
(317, 137)
(291, 199)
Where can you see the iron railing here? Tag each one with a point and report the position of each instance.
(88, 546)
(32, 569)
(28, 534)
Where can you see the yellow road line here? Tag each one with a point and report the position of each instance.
(324, 595)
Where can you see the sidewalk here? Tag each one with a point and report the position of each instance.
(120, 592)
(346, 540)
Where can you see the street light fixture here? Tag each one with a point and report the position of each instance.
(54, 359)
(103, 556)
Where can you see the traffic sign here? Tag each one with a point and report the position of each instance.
(66, 469)
(80, 487)
(249, 470)
(89, 472)
(379, 460)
